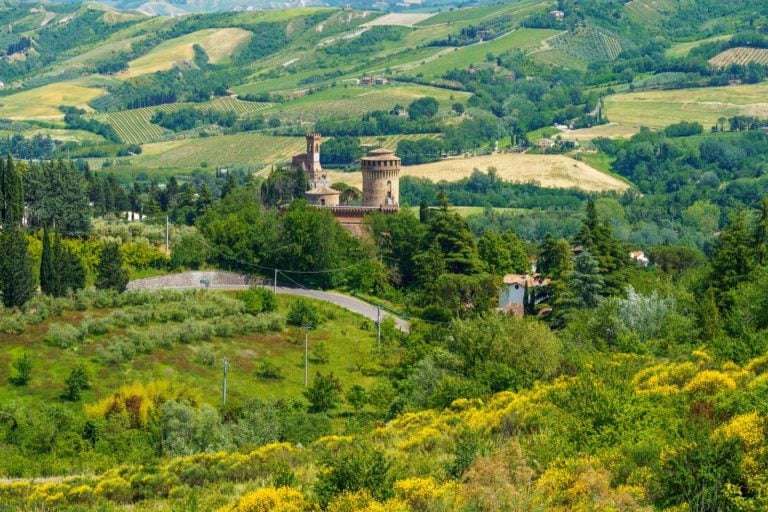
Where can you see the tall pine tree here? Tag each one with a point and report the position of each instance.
(47, 266)
(13, 212)
(17, 281)
(110, 273)
(70, 273)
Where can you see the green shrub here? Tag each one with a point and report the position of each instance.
(12, 324)
(64, 336)
(267, 370)
(319, 353)
(22, 367)
(205, 356)
(258, 300)
(95, 326)
(302, 312)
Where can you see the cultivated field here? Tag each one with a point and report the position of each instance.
(344, 102)
(587, 45)
(239, 149)
(683, 49)
(740, 56)
(610, 130)
(400, 19)
(657, 109)
(475, 14)
(462, 58)
(220, 44)
(134, 126)
(553, 171)
(44, 102)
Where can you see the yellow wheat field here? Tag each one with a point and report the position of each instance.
(552, 171)
(219, 44)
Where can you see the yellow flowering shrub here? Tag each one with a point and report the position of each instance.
(270, 499)
(139, 400)
(352, 501)
(114, 489)
(663, 378)
(82, 494)
(710, 382)
(584, 485)
(423, 494)
(748, 428)
(426, 439)
(757, 365)
(702, 357)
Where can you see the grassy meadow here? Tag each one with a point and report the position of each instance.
(349, 342)
(657, 109)
(44, 102)
(462, 58)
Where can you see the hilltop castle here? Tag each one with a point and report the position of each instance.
(381, 184)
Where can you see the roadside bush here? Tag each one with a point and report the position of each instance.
(258, 300)
(64, 336)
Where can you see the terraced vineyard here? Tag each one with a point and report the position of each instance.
(588, 44)
(740, 56)
(134, 126)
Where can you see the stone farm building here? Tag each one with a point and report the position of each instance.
(381, 184)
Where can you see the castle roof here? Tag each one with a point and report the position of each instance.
(322, 190)
(381, 154)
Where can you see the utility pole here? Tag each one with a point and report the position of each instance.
(274, 288)
(224, 384)
(378, 327)
(167, 237)
(306, 329)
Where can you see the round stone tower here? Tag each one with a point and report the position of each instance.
(381, 179)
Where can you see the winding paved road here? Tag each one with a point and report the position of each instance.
(230, 281)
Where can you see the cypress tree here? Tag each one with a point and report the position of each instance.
(71, 273)
(3, 190)
(17, 281)
(47, 266)
(110, 273)
(14, 195)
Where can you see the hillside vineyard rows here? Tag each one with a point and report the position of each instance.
(432, 256)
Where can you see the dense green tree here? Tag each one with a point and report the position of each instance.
(22, 367)
(463, 295)
(585, 285)
(70, 272)
(555, 261)
(283, 186)
(56, 193)
(48, 269)
(341, 150)
(733, 257)
(360, 466)
(110, 273)
(17, 280)
(13, 194)
(457, 243)
(77, 382)
(503, 254)
(324, 394)
(421, 108)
